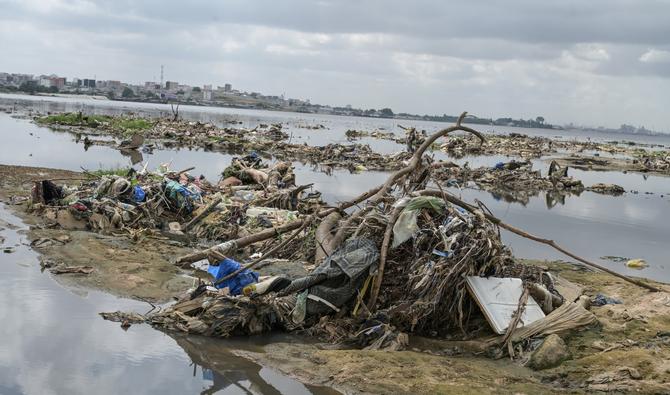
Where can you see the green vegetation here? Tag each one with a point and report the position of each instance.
(115, 171)
(32, 87)
(127, 92)
(386, 112)
(115, 124)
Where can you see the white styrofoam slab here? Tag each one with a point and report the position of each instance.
(498, 299)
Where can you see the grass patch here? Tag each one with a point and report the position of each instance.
(116, 171)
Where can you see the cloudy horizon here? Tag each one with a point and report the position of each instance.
(597, 63)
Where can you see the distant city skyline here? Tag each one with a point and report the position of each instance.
(600, 62)
(208, 95)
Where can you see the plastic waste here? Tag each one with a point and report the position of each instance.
(119, 187)
(125, 206)
(406, 225)
(246, 196)
(637, 264)
(235, 284)
(442, 253)
(270, 284)
(179, 195)
(601, 300)
(138, 194)
(273, 213)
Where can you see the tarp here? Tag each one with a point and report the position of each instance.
(340, 275)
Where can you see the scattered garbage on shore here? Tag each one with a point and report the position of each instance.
(405, 258)
(399, 263)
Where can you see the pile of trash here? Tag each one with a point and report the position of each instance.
(656, 162)
(269, 141)
(528, 147)
(251, 195)
(519, 144)
(407, 259)
(515, 179)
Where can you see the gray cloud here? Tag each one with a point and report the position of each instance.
(566, 60)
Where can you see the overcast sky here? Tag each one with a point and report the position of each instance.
(595, 62)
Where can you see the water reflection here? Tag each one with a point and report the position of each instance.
(226, 371)
(54, 342)
(134, 155)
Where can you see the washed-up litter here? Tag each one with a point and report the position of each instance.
(514, 180)
(399, 264)
(46, 242)
(265, 140)
(602, 300)
(657, 161)
(608, 189)
(236, 284)
(498, 298)
(617, 259)
(62, 269)
(637, 264)
(175, 203)
(392, 262)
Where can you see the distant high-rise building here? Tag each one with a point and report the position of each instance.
(88, 83)
(207, 92)
(171, 85)
(227, 88)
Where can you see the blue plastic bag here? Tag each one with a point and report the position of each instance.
(138, 193)
(235, 284)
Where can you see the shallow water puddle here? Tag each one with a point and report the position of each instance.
(54, 341)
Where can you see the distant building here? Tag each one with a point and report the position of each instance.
(113, 85)
(88, 83)
(44, 81)
(58, 82)
(172, 85)
(227, 88)
(152, 86)
(207, 92)
(18, 79)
